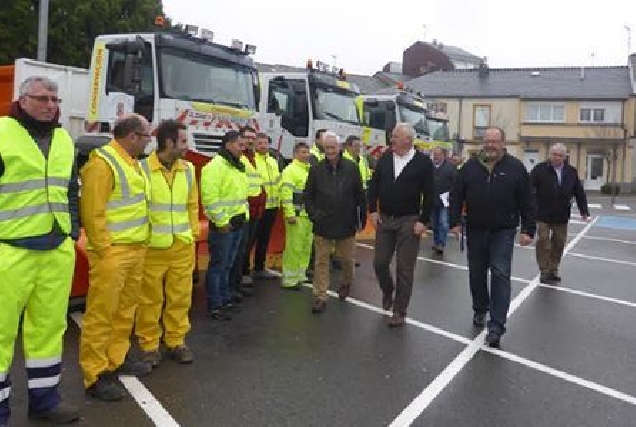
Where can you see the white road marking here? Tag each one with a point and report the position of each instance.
(622, 208)
(421, 402)
(148, 403)
(598, 258)
(594, 206)
(608, 239)
(589, 295)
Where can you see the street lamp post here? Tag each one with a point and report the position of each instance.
(43, 27)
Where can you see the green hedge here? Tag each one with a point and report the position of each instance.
(610, 188)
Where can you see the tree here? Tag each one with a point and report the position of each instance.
(73, 26)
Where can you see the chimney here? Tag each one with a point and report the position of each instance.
(483, 70)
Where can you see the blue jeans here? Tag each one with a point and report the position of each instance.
(440, 225)
(223, 248)
(491, 250)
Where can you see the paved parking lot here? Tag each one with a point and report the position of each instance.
(568, 358)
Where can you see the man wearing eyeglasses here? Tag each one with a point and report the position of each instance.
(114, 211)
(39, 220)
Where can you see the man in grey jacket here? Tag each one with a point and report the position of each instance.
(444, 173)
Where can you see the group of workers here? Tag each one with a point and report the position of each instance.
(141, 223)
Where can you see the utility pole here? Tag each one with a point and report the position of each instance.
(43, 29)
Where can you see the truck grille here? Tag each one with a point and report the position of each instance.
(206, 143)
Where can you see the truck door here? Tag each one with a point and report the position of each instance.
(288, 98)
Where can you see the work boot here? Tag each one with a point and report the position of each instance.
(554, 276)
(63, 413)
(181, 354)
(546, 279)
(396, 321)
(343, 292)
(134, 368)
(106, 389)
(264, 275)
(318, 306)
(492, 339)
(219, 315)
(151, 357)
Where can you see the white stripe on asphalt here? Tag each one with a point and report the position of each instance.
(421, 402)
(148, 403)
(598, 258)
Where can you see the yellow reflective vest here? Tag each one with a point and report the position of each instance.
(363, 165)
(268, 168)
(169, 216)
(127, 206)
(315, 151)
(292, 187)
(254, 179)
(224, 189)
(33, 190)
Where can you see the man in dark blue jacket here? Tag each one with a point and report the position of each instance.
(555, 183)
(496, 190)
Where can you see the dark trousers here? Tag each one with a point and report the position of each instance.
(249, 245)
(263, 232)
(550, 244)
(491, 250)
(223, 250)
(395, 235)
(242, 256)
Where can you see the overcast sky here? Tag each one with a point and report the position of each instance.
(364, 37)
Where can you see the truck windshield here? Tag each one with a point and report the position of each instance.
(335, 104)
(438, 129)
(416, 117)
(206, 79)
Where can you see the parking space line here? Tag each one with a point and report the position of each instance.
(424, 399)
(591, 385)
(607, 239)
(563, 375)
(144, 398)
(589, 295)
(598, 258)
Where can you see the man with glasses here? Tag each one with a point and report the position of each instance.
(495, 187)
(114, 212)
(39, 220)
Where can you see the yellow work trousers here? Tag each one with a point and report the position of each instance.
(35, 284)
(166, 293)
(298, 241)
(113, 296)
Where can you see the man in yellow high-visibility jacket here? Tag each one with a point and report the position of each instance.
(114, 212)
(166, 289)
(267, 166)
(224, 190)
(298, 228)
(352, 148)
(317, 152)
(39, 220)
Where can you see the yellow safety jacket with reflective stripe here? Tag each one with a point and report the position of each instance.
(268, 168)
(224, 190)
(169, 216)
(292, 187)
(363, 165)
(317, 153)
(254, 179)
(33, 190)
(127, 206)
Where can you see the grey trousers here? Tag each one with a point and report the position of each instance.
(395, 235)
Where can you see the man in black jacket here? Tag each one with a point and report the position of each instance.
(335, 203)
(402, 186)
(444, 173)
(555, 183)
(496, 190)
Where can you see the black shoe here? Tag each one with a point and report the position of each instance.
(554, 277)
(106, 389)
(479, 319)
(357, 264)
(547, 279)
(231, 307)
(63, 413)
(246, 292)
(309, 273)
(439, 250)
(492, 339)
(387, 301)
(134, 368)
(219, 315)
